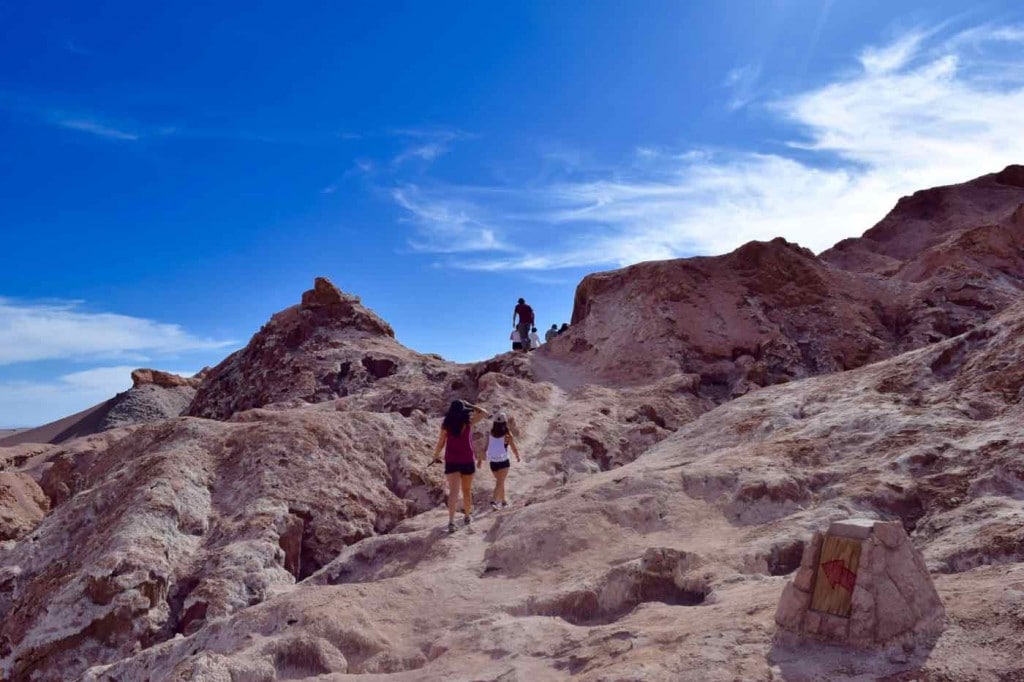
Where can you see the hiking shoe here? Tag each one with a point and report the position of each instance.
(495, 506)
(451, 526)
(467, 519)
(504, 505)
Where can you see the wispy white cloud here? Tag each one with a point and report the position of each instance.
(427, 144)
(446, 226)
(64, 331)
(33, 403)
(883, 59)
(924, 109)
(95, 128)
(742, 84)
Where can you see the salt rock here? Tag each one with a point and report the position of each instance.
(862, 583)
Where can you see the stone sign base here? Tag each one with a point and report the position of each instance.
(862, 583)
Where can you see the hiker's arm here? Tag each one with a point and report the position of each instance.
(441, 440)
(478, 414)
(510, 439)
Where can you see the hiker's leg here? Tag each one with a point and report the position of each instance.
(453, 493)
(467, 494)
(499, 484)
(524, 334)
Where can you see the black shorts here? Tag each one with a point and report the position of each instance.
(498, 466)
(464, 468)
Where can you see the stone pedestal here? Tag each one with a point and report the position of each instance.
(862, 583)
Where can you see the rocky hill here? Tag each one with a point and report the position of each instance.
(943, 261)
(701, 420)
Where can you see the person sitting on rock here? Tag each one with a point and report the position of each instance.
(456, 438)
(517, 340)
(534, 339)
(499, 440)
(522, 320)
(551, 333)
(564, 328)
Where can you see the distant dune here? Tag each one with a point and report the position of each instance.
(83, 423)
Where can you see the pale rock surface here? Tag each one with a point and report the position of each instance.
(22, 505)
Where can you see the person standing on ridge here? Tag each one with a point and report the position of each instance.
(551, 333)
(522, 320)
(499, 440)
(534, 339)
(456, 438)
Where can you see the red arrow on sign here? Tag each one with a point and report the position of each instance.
(838, 574)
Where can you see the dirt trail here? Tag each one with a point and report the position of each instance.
(557, 372)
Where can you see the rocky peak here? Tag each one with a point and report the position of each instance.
(155, 377)
(1012, 175)
(328, 306)
(319, 350)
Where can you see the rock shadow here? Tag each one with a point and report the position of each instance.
(807, 660)
(657, 577)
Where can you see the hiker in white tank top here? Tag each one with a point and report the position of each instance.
(499, 440)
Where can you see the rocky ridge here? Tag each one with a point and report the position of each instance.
(943, 261)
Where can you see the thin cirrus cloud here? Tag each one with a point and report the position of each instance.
(32, 332)
(921, 110)
(92, 127)
(446, 226)
(426, 144)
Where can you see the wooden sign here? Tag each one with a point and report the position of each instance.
(836, 576)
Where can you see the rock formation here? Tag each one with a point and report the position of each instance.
(943, 261)
(146, 377)
(22, 505)
(681, 445)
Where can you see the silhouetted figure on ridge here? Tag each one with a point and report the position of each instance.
(522, 320)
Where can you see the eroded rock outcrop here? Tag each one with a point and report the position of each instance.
(942, 262)
(327, 347)
(22, 505)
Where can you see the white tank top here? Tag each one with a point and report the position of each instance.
(496, 451)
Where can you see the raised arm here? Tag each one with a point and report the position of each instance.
(441, 440)
(478, 414)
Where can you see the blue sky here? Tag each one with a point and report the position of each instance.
(171, 174)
